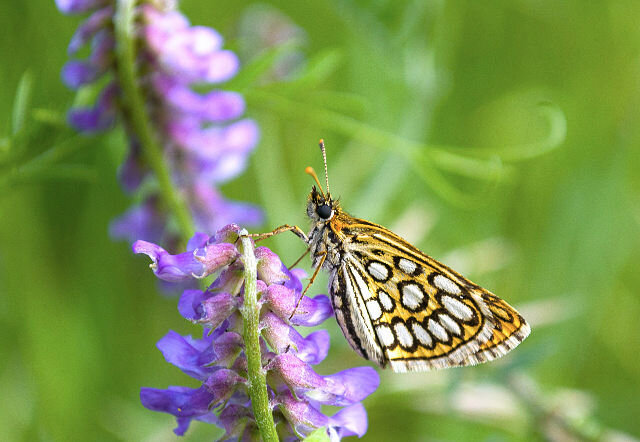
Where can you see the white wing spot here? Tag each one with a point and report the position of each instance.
(438, 331)
(405, 338)
(373, 307)
(337, 301)
(385, 335)
(422, 335)
(457, 308)
(407, 266)
(412, 296)
(385, 299)
(450, 324)
(378, 271)
(444, 283)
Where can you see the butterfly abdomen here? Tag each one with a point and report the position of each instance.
(351, 312)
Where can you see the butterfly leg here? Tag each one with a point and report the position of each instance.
(299, 259)
(283, 228)
(313, 277)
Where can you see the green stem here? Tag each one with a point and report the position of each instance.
(366, 133)
(447, 157)
(139, 117)
(251, 316)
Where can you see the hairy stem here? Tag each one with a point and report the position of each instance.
(139, 117)
(251, 315)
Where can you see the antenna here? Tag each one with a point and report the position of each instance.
(312, 172)
(324, 158)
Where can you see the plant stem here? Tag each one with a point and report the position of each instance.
(251, 315)
(464, 161)
(139, 117)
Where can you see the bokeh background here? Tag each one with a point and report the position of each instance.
(555, 233)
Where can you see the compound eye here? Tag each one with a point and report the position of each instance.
(324, 211)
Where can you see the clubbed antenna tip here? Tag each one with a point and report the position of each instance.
(309, 170)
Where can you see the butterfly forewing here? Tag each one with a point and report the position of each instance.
(398, 306)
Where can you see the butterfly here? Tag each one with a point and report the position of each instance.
(396, 305)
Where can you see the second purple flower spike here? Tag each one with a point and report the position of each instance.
(200, 135)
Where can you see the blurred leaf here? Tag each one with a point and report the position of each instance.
(251, 73)
(47, 165)
(21, 104)
(319, 435)
(5, 146)
(50, 117)
(346, 102)
(318, 68)
(77, 172)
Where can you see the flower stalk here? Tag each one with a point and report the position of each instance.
(257, 385)
(141, 122)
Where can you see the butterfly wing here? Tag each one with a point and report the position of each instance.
(407, 310)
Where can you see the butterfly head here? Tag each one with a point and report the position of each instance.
(320, 206)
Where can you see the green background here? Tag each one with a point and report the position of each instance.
(556, 235)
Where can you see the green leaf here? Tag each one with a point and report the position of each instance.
(50, 117)
(5, 145)
(319, 68)
(74, 172)
(319, 435)
(21, 103)
(343, 102)
(250, 74)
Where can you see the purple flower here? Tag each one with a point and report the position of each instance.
(194, 54)
(78, 6)
(344, 388)
(282, 338)
(183, 402)
(172, 268)
(146, 221)
(205, 139)
(207, 308)
(310, 312)
(217, 360)
(304, 417)
(99, 117)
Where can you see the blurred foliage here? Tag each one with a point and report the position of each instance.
(557, 235)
